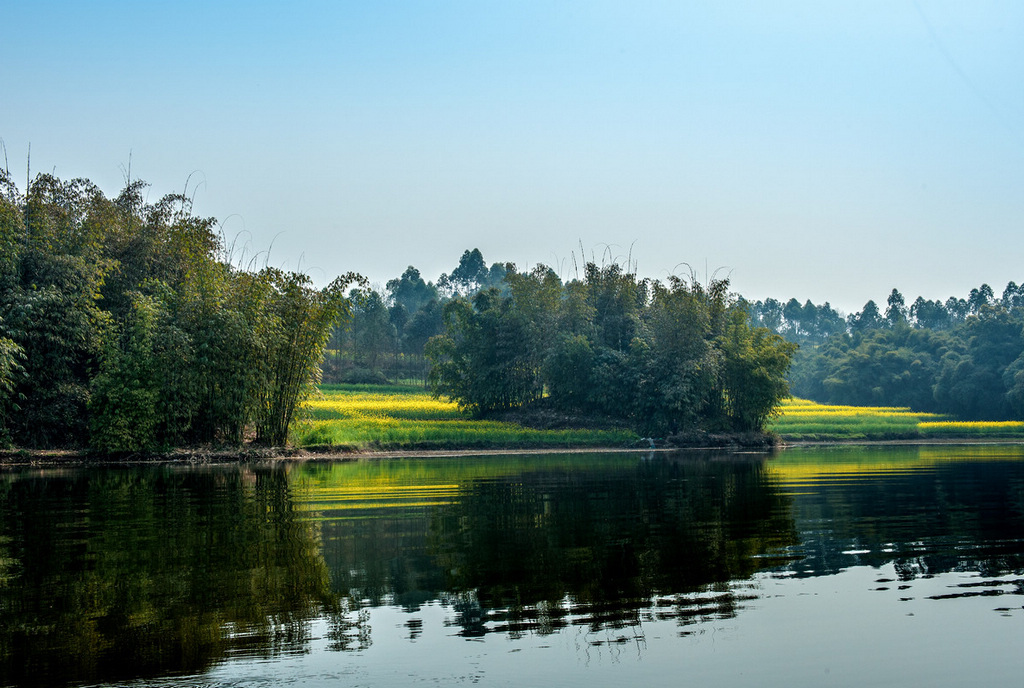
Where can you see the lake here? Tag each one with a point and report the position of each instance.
(850, 566)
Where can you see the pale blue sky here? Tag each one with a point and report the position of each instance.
(827, 151)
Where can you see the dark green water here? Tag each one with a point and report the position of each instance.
(845, 567)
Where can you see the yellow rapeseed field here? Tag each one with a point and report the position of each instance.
(1011, 428)
(377, 417)
(378, 405)
(801, 419)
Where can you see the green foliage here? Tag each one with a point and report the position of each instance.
(681, 362)
(569, 370)
(49, 305)
(123, 407)
(471, 275)
(485, 361)
(295, 331)
(800, 324)
(964, 369)
(124, 329)
(954, 357)
(410, 291)
(1013, 380)
(387, 334)
(370, 327)
(754, 372)
(424, 324)
(666, 358)
(11, 368)
(493, 352)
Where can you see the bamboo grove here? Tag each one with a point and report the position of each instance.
(124, 327)
(664, 358)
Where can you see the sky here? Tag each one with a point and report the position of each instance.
(823, 151)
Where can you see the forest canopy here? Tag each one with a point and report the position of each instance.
(606, 346)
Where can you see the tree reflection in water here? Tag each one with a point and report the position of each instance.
(109, 574)
(538, 543)
(595, 548)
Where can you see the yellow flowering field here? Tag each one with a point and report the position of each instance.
(1008, 428)
(383, 417)
(380, 417)
(369, 406)
(801, 419)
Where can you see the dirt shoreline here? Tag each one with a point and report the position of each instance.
(50, 458)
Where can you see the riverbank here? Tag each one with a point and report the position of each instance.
(348, 422)
(65, 458)
(49, 458)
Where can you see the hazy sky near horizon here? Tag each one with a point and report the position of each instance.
(828, 151)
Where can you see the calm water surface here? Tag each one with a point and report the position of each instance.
(811, 567)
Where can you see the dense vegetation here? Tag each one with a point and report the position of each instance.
(666, 358)
(388, 331)
(661, 358)
(963, 357)
(123, 327)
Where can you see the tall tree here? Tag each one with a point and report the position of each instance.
(868, 319)
(373, 334)
(300, 319)
(896, 311)
(410, 291)
(755, 364)
(665, 358)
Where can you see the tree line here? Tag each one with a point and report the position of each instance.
(662, 358)
(961, 356)
(125, 327)
(385, 338)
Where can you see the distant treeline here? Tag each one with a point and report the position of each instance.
(661, 357)
(963, 357)
(388, 330)
(124, 327)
